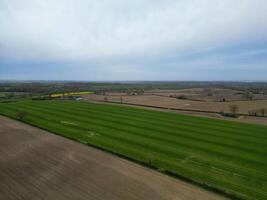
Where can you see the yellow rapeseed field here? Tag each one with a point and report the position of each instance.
(70, 94)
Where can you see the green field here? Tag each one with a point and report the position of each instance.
(226, 156)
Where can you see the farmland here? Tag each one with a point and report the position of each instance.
(37, 165)
(192, 99)
(207, 102)
(224, 156)
(70, 94)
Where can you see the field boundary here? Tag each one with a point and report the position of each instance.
(169, 173)
(178, 109)
(190, 99)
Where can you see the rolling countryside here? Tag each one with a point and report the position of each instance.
(223, 156)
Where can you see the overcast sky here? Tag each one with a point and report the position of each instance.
(98, 40)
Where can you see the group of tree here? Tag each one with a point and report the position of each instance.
(9, 95)
(234, 110)
(248, 96)
(135, 92)
(222, 99)
(100, 92)
(182, 96)
(14, 95)
(260, 112)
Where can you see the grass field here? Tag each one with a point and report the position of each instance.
(223, 155)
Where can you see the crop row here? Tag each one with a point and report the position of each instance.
(224, 155)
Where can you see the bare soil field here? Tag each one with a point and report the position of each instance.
(211, 94)
(35, 164)
(161, 101)
(204, 94)
(164, 101)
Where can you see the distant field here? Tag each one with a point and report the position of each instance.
(228, 156)
(211, 94)
(167, 102)
(70, 94)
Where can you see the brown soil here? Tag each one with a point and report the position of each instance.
(167, 102)
(35, 164)
(153, 100)
(209, 94)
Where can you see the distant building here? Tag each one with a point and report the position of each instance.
(76, 98)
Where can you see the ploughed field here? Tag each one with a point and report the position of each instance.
(162, 100)
(37, 165)
(227, 156)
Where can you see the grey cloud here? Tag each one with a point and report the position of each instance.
(92, 29)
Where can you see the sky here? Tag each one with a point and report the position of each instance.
(120, 40)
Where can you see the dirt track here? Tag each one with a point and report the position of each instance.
(35, 164)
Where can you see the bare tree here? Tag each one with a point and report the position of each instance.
(248, 96)
(182, 96)
(252, 113)
(234, 110)
(21, 115)
(106, 99)
(263, 111)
